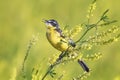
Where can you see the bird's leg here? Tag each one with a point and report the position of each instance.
(61, 56)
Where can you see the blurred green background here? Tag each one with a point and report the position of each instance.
(20, 19)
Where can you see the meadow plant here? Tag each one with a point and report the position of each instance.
(85, 42)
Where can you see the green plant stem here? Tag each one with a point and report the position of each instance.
(82, 36)
(25, 58)
(89, 16)
(49, 69)
(58, 61)
(89, 27)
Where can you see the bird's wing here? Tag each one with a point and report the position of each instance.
(70, 41)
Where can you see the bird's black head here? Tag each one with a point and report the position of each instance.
(52, 22)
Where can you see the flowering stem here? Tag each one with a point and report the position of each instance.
(82, 36)
(57, 62)
(89, 27)
(25, 58)
(49, 69)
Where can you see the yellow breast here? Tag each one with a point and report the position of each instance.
(56, 40)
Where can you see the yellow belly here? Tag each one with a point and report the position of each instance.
(55, 40)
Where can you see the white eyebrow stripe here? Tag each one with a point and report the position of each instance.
(49, 21)
(54, 22)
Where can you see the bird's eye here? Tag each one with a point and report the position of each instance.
(53, 23)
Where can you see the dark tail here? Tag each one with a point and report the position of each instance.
(83, 65)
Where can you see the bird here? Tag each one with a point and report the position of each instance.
(56, 37)
(59, 41)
